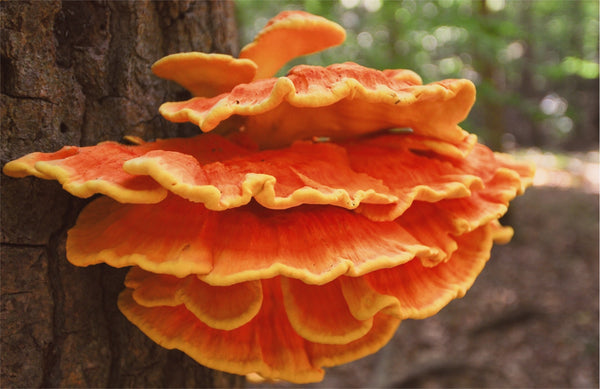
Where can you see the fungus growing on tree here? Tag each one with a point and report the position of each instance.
(289, 35)
(259, 250)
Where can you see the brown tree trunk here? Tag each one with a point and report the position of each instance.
(493, 111)
(77, 73)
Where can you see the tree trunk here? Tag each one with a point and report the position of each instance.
(77, 73)
(493, 111)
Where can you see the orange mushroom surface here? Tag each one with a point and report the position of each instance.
(205, 74)
(265, 250)
(340, 101)
(289, 35)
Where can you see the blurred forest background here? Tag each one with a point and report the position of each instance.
(531, 318)
(535, 63)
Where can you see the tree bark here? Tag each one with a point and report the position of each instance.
(77, 73)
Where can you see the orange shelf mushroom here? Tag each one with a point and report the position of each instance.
(263, 250)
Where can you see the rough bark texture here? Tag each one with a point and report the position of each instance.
(77, 73)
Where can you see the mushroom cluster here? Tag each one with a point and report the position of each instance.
(319, 211)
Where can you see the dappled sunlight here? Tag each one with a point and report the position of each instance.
(564, 170)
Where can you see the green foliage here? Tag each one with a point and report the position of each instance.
(518, 53)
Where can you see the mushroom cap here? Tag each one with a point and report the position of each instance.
(339, 101)
(219, 307)
(301, 328)
(204, 74)
(289, 35)
(85, 171)
(380, 176)
(180, 237)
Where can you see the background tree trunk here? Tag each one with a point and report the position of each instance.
(77, 73)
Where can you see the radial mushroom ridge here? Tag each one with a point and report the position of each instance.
(302, 328)
(221, 174)
(339, 101)
(322, 209)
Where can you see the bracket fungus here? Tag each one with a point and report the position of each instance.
(261, 251)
